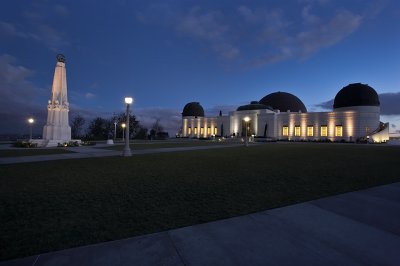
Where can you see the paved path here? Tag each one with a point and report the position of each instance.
(91, 152)
(357, 228)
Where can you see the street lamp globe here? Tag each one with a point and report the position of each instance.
(31, 120)
(128, 100)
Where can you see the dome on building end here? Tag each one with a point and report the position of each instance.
(284, 101)
(254, 105)
(356, 94)
(193, 109)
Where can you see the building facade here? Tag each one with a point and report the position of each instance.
(283, 116)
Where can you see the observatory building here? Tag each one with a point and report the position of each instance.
(283, 116)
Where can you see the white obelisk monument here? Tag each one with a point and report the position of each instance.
(57, 129)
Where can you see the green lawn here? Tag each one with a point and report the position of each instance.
(159, 145)
(31, 152)
(59, 204)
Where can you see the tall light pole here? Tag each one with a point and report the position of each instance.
(123, 131)
(246, 140)
(127, 150)
(31, 121)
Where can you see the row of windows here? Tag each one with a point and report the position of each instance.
(202, 131)
(310, 131)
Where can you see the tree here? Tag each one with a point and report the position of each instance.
(141, 133)
(98, 129)
(77, 126)
(157, 131)
(134, 126)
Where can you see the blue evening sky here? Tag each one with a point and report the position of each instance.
(219, 53)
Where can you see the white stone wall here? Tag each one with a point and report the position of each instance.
(356, 122)
(199, 126)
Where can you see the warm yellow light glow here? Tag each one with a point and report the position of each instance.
(332, 121)
(201, 130)
(215, 131)
(349, 125)
(310, 131)
(324, 131)
(209, 131)
(184, 127)
(297, 131)
(123, 125)
(338, 131)
(189, 131)
(246, 119)
(285, 131)
(128, 100)
(31, 120)
(195, 130)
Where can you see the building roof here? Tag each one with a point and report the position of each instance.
(254, 105)
(193, 109)
(284, 101)
(356, 94)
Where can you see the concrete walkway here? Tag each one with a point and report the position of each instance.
(357, 228)
(91, 152)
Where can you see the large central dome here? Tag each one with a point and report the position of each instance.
(284, 101)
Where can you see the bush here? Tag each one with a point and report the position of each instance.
(68, 144)
(25, 144)
(88, 143)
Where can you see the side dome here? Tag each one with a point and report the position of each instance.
(356, 94)
(284, 101)
(254, 105)
(193, 109)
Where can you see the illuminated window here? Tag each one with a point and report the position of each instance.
(209, 131)
(338, 131)
(201, 130)
(324, 131)
(189, 130)
(215, 131)
(310, 131)
(285, 131)
(367, 130)
(195, 130)
(297, 131)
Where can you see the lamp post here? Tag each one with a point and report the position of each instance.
(246, 140)
(123, 131)
(31, 121)
(127, 150)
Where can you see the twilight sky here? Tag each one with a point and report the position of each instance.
(220, 53)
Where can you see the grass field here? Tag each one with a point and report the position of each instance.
(31, 152)
(59, 204)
